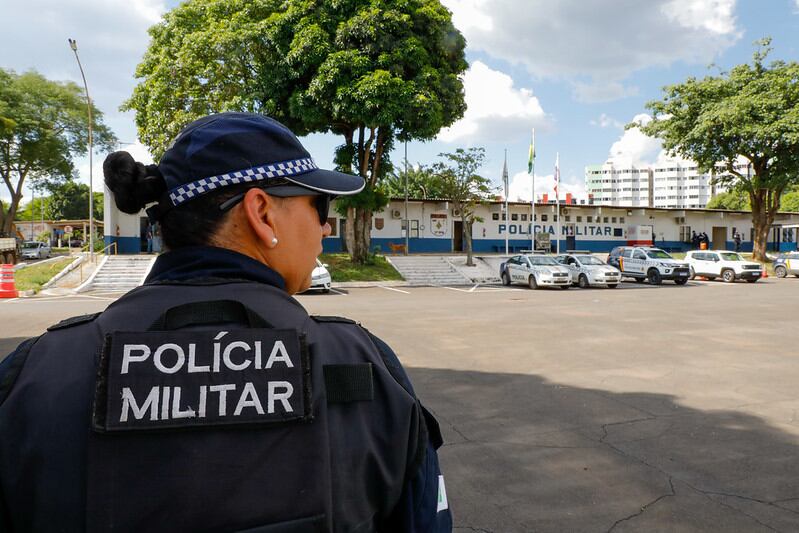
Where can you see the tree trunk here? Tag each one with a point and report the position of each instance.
(358, 229)
(765, 204)
(467, 240)
(8, 216)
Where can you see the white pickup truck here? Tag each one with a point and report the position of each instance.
(651, 264)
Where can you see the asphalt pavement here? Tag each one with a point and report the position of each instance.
(636, 409)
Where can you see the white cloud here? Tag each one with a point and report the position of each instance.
(520, 186)
(633, 147)
(605, 121)
(597, 44)
(496, 110)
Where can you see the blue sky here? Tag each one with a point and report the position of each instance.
(576, 70)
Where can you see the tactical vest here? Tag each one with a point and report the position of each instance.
(216, 406)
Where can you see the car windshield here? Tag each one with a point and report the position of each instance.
(31, 244)
(731, 257)
(657, 254)
(541, 260)
(590, 260)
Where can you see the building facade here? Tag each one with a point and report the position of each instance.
(435, 227)
(670, 185)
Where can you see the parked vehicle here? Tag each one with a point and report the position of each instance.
(320, 278)
(786, 264)
(647, 263)
(724, 264)
(587, 270)
(9, 250)
(535, 271)
(35, 250)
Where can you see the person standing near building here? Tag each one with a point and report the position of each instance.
(737, 239)
(208, 399)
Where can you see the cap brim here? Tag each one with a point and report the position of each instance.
(329, 182)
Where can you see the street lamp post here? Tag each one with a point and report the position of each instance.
(407, 222)
(73, 44)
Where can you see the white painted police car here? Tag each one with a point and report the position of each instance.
(722, 263)
(587, 270)
(535, 271)
(646, 263)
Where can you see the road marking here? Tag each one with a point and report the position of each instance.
(338, 292)
(393, 289)
(470, 290)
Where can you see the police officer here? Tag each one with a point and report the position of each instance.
(208, 399)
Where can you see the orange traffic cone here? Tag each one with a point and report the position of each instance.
(765, 271)
(7, 287)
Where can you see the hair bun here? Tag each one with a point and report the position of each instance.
(134, 185)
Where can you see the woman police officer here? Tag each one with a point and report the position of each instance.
(207, 399)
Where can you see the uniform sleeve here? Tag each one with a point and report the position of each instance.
(423, 505)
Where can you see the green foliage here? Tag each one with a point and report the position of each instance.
(70, 200)
(34, 276)
(749, 113)
(790, 201)
(735, 200)
(43, 126)
(371, 199)
(342, 268)
(458, 180)
(422, 183)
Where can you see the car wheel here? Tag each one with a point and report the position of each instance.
(654, 277)
(691, 273)
(582, 281)
(728, 276)
(505, 279)
(681, 281)
(531, 282)
(612, 285)
(780, 271)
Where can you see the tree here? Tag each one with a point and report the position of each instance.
(69, 200)
(735, 200)
(458, 180)
(750, 113)
(43, 126)
(370, 71)
(422, 183)
(790, 200)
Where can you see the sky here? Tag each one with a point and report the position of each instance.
(575, 70)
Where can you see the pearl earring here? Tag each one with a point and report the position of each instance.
(274, 241)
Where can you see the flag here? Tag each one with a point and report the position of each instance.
(505, 174)
(531, 156)
(557, 177)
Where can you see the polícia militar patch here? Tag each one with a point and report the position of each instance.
(178, 379)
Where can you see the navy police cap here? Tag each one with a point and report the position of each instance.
(232, 148)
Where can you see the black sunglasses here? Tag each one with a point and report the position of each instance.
(284, 189)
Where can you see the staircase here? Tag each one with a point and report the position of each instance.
(120, 273)
(427, 270)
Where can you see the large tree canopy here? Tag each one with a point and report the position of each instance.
(750, 113)
(43, 126)
(368, 70)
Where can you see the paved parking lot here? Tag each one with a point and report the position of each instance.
(637, 409)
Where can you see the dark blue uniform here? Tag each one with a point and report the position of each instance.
(101, 432)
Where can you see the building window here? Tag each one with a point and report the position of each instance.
(524, 215)
(567, 218)
(579, 218)
(613, 220)
(513, 216)
(589, 218)
(543, 218)
(414, 229)
(504, 216)
(494, 216)
(621, 219)
(605, 220)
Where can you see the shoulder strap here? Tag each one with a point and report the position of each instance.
(208, 312)
(17, 360)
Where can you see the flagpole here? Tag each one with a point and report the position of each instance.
(557, 200)
(531, 170)
(507, 213)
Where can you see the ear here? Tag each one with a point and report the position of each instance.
(259, 211)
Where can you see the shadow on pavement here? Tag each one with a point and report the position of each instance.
(525, 454)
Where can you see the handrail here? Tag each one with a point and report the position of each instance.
(102, 252)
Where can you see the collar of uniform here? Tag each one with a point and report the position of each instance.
(199, 262)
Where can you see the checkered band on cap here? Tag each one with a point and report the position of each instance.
(192, 190)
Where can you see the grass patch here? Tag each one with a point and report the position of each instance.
(34, 276)
(342, 269)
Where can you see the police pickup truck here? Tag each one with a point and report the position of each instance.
(535, 270)
(646, 263)
(589, 271)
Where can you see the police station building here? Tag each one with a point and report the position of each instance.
(436, 227)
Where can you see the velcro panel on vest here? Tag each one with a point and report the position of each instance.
(179, 379)
(349, 383)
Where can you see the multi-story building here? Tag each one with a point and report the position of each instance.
(671, 185)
